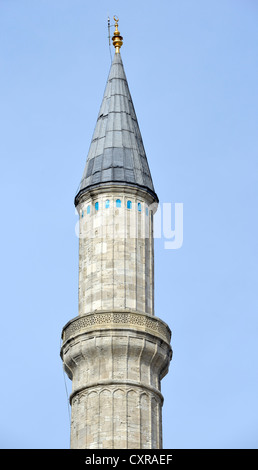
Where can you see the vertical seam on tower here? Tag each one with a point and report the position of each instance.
(143, 241)
(125, 247)
(113, 251)
(80, 266)
(86, 434)
(160, 427)
(91, 251)
(140, 357)
(98, 418)
(126, 416)
(151, 253)
(150, 421)
(127, 356)
(151, 361)
(112, 416)
(136, 244)
(112, 359)
(101, 250)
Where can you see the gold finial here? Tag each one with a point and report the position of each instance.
(117, 39)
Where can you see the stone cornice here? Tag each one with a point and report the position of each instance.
(115, 187)
(117, 319)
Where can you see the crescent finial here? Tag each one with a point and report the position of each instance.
(117, 39)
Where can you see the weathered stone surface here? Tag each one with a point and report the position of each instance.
(116, 351)
(116, 253)
(116, 399)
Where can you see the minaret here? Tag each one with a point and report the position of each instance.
(116, 351)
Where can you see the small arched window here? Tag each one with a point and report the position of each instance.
(107, 204)
(129, 204)
(147, 211)
(82, 214)
(139, 207)
(118, 203)
(96, 206)
(88, 209)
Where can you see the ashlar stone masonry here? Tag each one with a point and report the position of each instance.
(116, 351)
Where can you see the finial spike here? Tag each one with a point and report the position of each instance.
(117, 39)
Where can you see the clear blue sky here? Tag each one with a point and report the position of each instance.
(192, 72)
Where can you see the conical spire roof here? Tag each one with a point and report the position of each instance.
(116, 153)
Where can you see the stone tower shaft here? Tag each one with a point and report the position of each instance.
(116, 250)
(116, 351)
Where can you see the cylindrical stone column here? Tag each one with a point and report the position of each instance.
(116, 361)
(116, 351)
